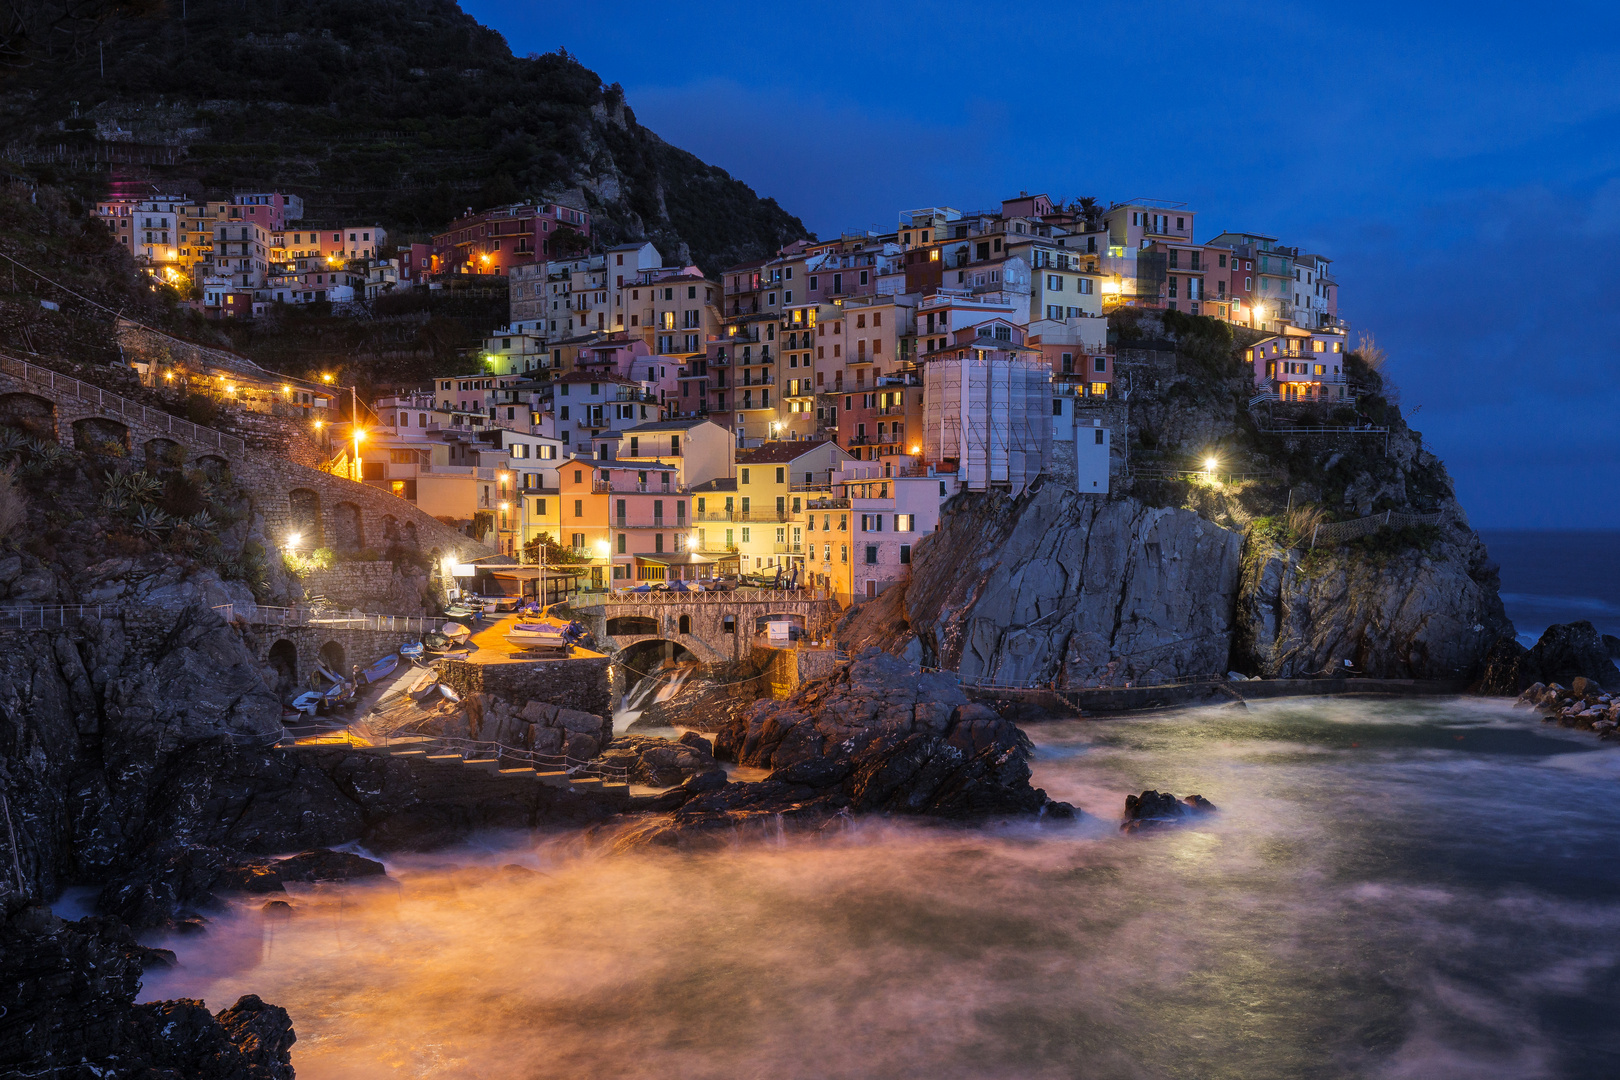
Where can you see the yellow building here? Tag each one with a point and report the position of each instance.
(773, 483)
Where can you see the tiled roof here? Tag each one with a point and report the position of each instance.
(774, 452)
(686, 424)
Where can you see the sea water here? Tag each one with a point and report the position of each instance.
(1558, 577)
(1421, 889)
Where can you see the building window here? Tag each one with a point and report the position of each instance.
(905, 554)
(871, 554)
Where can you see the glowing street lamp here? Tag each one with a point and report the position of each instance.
(293, 540)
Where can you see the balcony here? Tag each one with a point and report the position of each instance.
(623, 488)
(713, 515)
(788, 549)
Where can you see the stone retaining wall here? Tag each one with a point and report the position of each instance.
(375, 586)
(577, 683)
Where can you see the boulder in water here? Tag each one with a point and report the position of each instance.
(657, 762)
(1154, 809)
(326, 865)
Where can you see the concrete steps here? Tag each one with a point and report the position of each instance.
(556, 778)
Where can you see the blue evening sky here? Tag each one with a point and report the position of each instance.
(1459, 162)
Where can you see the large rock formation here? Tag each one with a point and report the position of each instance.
(1564, 653)
(1059, 588)
(68, 1003)
(878, 737)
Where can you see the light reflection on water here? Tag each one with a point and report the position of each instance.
(1390, 890)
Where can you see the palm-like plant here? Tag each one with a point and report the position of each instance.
(151, 522)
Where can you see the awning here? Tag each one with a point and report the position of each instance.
(678, 558)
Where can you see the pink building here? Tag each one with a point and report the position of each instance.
(1301, 366)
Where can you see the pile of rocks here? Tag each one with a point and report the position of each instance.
(1583, 704)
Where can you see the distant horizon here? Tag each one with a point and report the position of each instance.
(1413, 169)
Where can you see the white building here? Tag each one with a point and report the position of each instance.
(987, 406)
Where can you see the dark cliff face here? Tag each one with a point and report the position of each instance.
(398, 112)
(1061, 589)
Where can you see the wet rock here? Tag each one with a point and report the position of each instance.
(860, 744)
(1506, 670)
(327, 865)
(68, 1003)
(1154, 809)
(660, 762)
(1570, 650)
(277, 907)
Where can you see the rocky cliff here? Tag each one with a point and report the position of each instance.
(1059, 588)
(1177, 574)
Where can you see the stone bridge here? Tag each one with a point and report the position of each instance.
(326, 510)
(713, 627)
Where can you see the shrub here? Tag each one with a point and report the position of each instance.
(13, 503)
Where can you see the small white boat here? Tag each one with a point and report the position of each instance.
(455, 631)
(449, 695)
(424, 685)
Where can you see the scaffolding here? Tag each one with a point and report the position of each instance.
(992, 415)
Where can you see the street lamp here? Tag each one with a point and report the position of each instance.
(359, 433)
(293, 540)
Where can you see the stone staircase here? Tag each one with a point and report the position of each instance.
(425, 749)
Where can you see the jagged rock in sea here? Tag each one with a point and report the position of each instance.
(1059, 588)
(1564, 653)
(68, 1003)
(660, 762)
(1153, 809)
(879, 736)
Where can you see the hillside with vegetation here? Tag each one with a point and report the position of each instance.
(405, 113)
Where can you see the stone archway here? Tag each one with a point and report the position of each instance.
(32, 415)
(284, 659)
(164, 453)
(334, 659)
(348, 532)
(304, 515)
(216, 468)
(628, 625)
(98, 435)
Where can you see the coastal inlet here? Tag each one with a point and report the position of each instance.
(1393, 889)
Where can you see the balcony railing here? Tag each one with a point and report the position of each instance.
(788, 549)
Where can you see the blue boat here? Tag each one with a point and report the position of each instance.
(379, 670)
(412, 651)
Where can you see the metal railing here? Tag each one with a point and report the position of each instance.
(115, 405)
(332, 620)
(741, 595)
(1340, 532)
(51, 616)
